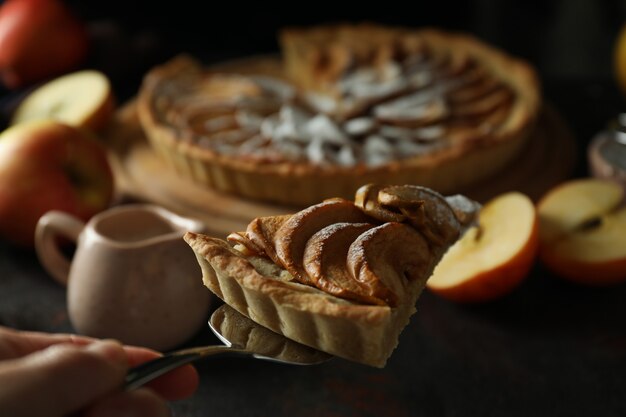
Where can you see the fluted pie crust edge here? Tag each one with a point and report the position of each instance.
(363, 333)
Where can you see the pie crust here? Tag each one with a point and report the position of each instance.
(270, 292)
(352, 104)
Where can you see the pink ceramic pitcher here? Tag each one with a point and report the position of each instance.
(132, 277)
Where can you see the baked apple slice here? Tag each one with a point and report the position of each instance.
(291, 239)
(387, 258)
(259, 235)
(325, 262)
(426, 210)
(366, 199)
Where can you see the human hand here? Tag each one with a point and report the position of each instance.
(60, 374)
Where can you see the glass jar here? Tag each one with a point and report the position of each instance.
(607, 152)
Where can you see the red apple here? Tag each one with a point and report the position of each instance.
(46, 165)
(39, 39)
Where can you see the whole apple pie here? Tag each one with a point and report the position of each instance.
(348, 105)
(340, 276)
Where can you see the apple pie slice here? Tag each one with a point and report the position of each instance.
(339, 276)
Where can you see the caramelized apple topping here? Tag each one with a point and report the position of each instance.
(385, 257)
(291, 238)
(325, 257)
(362, 95)
(366, 199)
(243, 244)
(261, 233)
(425, 209)
(365, 251)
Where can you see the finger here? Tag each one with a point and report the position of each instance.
(14, 344)
(62, 378)
(138, 403)
(178, 384)
(175, 385)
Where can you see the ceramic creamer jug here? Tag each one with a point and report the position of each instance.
(132, 277)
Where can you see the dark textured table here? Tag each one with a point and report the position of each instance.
(551, 348)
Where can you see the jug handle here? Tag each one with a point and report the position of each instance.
(50, 226)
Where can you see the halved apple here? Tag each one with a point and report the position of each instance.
(83, 99)
(491, 259)
(583, 231)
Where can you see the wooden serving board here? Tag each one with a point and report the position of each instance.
(548, 159)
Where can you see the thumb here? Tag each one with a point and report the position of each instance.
(61, 379)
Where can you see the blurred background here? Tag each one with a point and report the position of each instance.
(570, 42)
(563, 38)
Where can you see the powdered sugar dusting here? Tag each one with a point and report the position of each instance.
(465, 209)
